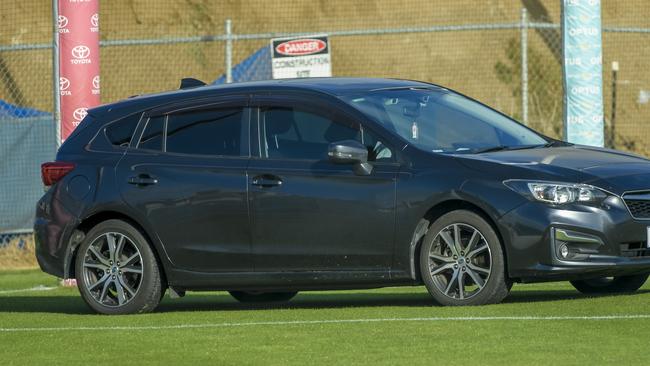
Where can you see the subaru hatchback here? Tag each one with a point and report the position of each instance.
(268, 188)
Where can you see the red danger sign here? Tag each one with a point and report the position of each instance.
(300, 47)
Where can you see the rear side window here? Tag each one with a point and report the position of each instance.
(119, 133)
(152, 136)
(206, 132)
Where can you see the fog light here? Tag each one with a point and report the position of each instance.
(564, 251)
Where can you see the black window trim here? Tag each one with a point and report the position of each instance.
(242, 100)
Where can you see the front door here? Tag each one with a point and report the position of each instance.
(187, 179)
(309, 214)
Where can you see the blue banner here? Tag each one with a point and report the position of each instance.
(583, 72)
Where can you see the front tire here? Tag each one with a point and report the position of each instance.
(117, 271)
(243, 296)
(613, 285)
(462, 262)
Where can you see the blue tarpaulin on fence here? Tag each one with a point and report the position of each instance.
(27, 139)
(8, 110)
(256, 67)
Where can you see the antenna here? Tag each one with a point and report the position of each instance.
(190, 83)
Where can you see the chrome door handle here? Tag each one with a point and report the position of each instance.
(143, 180)
(267, 181)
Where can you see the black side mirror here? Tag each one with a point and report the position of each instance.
(350, 152)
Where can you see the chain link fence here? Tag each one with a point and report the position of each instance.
(506, 53)
(26, 123)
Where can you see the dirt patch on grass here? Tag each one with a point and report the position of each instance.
(18, 254)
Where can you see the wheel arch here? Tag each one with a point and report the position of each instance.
(93, 220)
(432, 215)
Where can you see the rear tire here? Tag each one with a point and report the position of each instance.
(462, 262)
(117, 271)
(613, 285)
(243, 296)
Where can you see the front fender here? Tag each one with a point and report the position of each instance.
(490, 197)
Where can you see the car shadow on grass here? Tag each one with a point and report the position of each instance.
(43, 304)
(223, 302)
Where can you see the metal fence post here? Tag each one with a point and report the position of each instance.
(524, 65)
(56, 77)
(612, 119)
(228, 51)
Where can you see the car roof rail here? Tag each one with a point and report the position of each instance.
(191, 83)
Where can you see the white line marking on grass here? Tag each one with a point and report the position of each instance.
(36, 288)
(333, 321)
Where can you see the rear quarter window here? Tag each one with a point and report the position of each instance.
(120, 133)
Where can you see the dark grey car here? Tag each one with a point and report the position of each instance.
(268, 188)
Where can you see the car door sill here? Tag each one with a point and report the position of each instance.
(299, 280)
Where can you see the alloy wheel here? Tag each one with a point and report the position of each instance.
(460, 261)
(112, 269)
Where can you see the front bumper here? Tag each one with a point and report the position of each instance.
(616, 245)
(578, 271)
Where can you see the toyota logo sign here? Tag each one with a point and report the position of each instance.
(63, 21)
(64, 83)
(80, 113)
(78, 77)
(81, 52)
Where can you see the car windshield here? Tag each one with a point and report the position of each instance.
(444, 122)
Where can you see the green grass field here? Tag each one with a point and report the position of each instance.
(538, 324)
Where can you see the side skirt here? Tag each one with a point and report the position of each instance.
(283, 281)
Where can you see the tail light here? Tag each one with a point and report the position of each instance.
(52, 172)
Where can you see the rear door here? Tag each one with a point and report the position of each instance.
(309, 214)
(187, 179)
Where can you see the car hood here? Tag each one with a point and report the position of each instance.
(615, 171)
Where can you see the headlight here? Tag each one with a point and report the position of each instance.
(557, 193)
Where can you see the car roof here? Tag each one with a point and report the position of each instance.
(333, 86)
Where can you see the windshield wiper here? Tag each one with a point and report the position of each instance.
(504, 147)
(552, 143)
(557, 143)
(491, 149)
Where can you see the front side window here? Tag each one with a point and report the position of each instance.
(442, 121)
(206, 132)
(291, 133)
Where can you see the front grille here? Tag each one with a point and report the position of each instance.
(639, 209)
(638, 204)
(635, 250)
